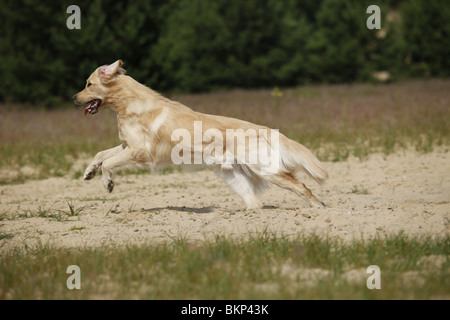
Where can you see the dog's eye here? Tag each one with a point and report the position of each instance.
(89, 84)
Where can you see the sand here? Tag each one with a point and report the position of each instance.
(405, 192)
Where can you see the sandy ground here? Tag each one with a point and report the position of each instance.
(407, 191)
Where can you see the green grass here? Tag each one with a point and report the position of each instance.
(6, 236)
(261, 266)
(358, 190)
(44, 212)
(73, 211)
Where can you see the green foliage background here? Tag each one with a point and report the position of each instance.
(201, 45)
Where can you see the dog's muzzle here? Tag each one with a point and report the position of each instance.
(92, 107)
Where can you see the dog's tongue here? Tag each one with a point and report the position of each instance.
(88, 108)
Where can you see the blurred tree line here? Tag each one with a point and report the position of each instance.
(200, 45)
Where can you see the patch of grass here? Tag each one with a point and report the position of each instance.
(47, 143)
(261, 266)
(44, 212)
(358, 190)
(41, 212)
(73, 211)
(340, 154)
(6, 236)
(77, 228)
(15, 179)
(77, 175)
(168, 170)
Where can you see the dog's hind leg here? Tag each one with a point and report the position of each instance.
(287, 181)
(96, 163)
(242, 184)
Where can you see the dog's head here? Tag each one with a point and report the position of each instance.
(98, 86)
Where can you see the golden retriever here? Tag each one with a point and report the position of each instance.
(156, 132)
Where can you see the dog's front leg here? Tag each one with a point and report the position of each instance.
(120, 160)
(95, 164)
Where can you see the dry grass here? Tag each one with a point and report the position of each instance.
(39, 144)
(334, 121)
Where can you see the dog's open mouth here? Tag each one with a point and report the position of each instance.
(92, 106)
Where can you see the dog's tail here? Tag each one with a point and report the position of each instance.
(297, 156)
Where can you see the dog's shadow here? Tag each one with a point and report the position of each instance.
(182, 209)
(208, 209)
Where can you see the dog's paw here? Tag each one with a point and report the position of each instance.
(89, 173)
(109, 185)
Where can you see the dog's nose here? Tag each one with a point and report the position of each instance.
(74, 97)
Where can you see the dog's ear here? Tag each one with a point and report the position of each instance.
(107, 72)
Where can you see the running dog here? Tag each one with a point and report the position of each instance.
(151, 127)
